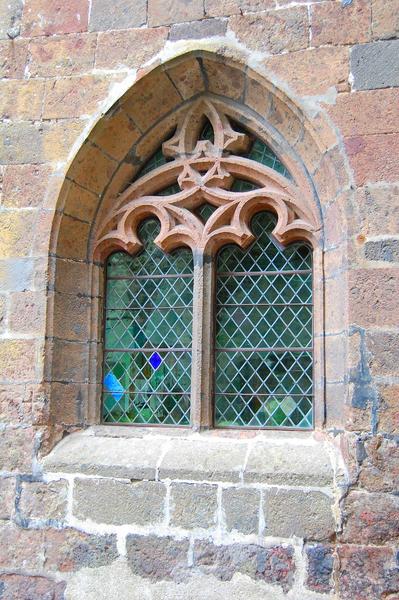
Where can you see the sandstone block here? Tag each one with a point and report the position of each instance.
(44, 501)
(17, 358)
(117, 502)
(187, 77)
(77, 327)
(10, 19)
(71, 277)
(375, 65)
(380, 465)
(17, 274)
(385, 19)
(70, 361)
(274, 31)
(130, 48)
(78, 202)
(236, 7)
(320, 567)
(367, 573)
(156, 558)
(21, 99)
(356, 114)
(313, 72)
(55, 17)
(27, 312)
(378, 209)
(193, 505)
(25, 550)
(7, 497)
(373, 296)
(122, 16)
(388, 413)
(34, 588)
(383, 347)
(372, 157)
(164, 12)
(352, 23)
(370, 518)
(202, 460)
(13, 58)
(133, 458)
(92, 169)
(272, 565)
(73, 97)
(306, 515)
(25, 186)
(241, 509)
(60, 56)
(72, 239)
(115, 134)
(197, 30)
(288, 465)
(68, 402)
(224, 79)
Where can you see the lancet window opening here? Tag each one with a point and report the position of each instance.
(209, 285)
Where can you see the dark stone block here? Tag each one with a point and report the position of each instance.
(375, 65)
(157, 558)
(386, 250)
(198, 29)
(320, 567)
(30, 588)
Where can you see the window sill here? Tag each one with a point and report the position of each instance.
(272, 457)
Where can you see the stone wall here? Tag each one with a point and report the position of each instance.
(85, 94)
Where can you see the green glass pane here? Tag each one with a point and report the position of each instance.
(205, 211)
(240, 185)
(207, 132)
(263, 154)
(170, 190)
(148, 325)
(263, 375)
(156, 160)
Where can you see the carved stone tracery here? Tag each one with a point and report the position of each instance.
(205, 170)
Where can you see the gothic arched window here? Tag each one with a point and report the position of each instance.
(209, 286)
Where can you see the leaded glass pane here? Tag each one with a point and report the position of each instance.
(148, 323)
(264, 333)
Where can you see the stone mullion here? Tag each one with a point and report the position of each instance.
(202, 348)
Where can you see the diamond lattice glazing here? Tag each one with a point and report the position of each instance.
(147, 364)
(264, 333)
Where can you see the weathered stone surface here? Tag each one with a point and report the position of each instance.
(355, 113)
(55, 17)
(27, 312)
(272, 565)
(193, 505)
(26, 587)
(197, 30)
(122, 16)
(13, 58)
(131, 48)
(72, 238)
(115, 134)
(367, 573)
(320, 567)
(7, 497)
(10, 18)
(211, 460)
(388, 412)
(370, 518)
(17, 358)
(352, 23)
(78, 328)
(274, 31)
(19, 274)
(117, 502)
(378, 209)
(313, 72)
(44, 501)
(13, 225)
(380, 465)
(60, 56)
(73, 97)
(290, 465)
(25, 186)
(157, 558)
(70, 360)
(372, 157)
(373, 296)
(224, 79)
(385, 19)
(21, 99)
(241, 509)
(382, 346)
(16, 449)
(306, 515)
(386, 250)
(83, 173)
(223, 8)
(187, 77)
(164, 12)
(131, 458)
(375, 65)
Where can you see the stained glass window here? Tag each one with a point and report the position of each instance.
(263, 370)
(148, 323)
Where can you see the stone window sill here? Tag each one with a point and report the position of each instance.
(273, 458)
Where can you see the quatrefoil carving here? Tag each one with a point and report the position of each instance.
(204, 171)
